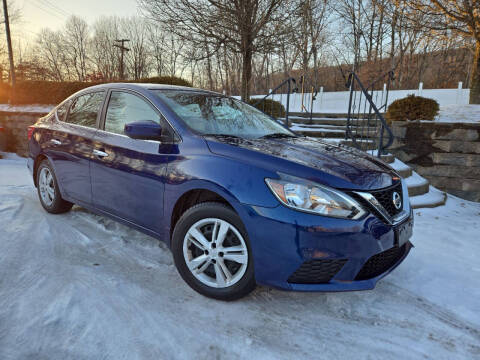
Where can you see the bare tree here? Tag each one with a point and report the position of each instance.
(77, 39)
(50, 49)
(104, 55)
(312, 21)
(175, 50)
(353, 15)
(460, 17)
(158, 48)
(288, 51)
(135, 30)
(244, 26)
(210, 42)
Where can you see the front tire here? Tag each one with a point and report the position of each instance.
(212, 252)
(48, 191)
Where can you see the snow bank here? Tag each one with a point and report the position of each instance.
(430, 199)
(82, 286)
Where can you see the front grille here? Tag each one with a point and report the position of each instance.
(317, 271)
(380, 263)
(385, 198)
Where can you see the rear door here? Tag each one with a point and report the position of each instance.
(128, 174)
(71, 143)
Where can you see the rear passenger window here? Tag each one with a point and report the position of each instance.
(85, 108)
(62, 110)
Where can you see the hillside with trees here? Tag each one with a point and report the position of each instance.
(249, 46)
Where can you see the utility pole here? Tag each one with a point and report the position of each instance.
(122, 48)
(9, 43)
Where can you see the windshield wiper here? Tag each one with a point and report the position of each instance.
(223, 135)
(276, 136)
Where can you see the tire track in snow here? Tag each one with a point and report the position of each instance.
(55, 304)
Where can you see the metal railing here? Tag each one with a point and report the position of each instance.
(366, 126)
(308, 94)
(279, 94)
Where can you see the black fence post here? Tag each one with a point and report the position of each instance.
(287, 124)
(380, 145)
(311, 107)
(350, 84)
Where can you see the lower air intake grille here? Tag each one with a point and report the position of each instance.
(380, 263)
(316, 271)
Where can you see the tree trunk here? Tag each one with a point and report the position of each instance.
(475, 77)
(315, 66)
(246, 71)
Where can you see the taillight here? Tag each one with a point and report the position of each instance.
(30, 132)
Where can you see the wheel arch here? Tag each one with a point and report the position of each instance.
(193, 197)
(36, 163)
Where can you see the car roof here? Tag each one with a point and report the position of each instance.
(145, 86)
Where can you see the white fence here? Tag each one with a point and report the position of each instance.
(337, 102)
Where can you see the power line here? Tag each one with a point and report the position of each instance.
(44, 7)
(38, 5)
(55, 8)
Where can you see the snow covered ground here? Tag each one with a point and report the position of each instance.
(337, 102)
(80, 286)
(459, 113)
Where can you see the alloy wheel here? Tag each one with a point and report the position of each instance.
(47, 186)
(215, 252)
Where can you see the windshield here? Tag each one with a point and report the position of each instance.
(212, 114)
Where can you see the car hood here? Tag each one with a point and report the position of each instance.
(334, 165)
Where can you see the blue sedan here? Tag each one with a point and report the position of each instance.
(239, 199)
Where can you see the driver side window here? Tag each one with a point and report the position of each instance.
(124, 108)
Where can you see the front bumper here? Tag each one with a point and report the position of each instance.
(283, 240)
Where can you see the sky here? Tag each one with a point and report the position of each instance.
(37, 14)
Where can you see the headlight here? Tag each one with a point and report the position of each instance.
(303, 195)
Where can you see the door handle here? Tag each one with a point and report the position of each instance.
(100, 154)
(56, 142)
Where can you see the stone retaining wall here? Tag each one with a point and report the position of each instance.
(447, 154)
(16, 125)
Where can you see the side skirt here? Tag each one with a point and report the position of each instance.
(123, 221)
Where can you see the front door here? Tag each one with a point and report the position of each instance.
(128, 174)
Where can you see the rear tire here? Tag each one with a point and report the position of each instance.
(48, 191)
(212, 252)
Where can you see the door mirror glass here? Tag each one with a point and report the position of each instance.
(143, 130)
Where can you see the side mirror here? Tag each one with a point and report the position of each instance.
(143, 130)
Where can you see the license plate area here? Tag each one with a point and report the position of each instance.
(403, 232)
